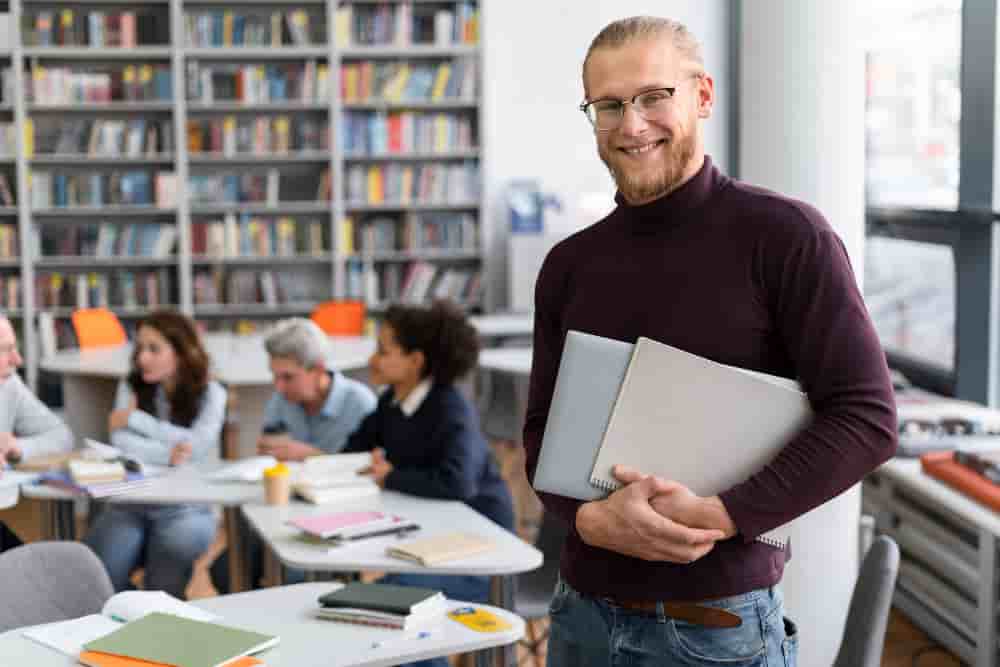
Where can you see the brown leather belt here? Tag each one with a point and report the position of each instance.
(712, 617)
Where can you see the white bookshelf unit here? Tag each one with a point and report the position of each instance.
(238, 161)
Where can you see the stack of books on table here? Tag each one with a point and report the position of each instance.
(406, 608)
(334, 477)
(336, 528)
(97, 479)
(151, 629)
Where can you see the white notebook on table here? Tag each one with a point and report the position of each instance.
(704, 424)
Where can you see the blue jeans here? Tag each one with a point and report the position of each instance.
(454, 587)
(593, 632)
(165, 539)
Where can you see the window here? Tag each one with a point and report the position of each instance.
(914, 104)
(910, 293)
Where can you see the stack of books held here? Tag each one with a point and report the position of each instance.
(406, 608)
(152, 629)
(334, 477)
(338, 528)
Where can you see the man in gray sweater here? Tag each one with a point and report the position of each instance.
(27, 427)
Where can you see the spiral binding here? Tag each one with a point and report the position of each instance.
(610, 486)
(605, 485)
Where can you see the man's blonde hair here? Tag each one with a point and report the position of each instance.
(636, 28)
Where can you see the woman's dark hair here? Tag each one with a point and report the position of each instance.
(449, 342)
(192, 367)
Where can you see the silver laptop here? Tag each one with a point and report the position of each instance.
(590, 374)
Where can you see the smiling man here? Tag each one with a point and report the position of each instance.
(27, 427)
(654, 574)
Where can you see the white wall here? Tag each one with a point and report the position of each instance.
(534, 51)
(801, 132)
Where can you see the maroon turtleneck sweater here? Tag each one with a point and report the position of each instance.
(745, 277)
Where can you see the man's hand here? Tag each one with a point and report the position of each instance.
(380, 467)
(284, 448)
(625, 522)
(180, 453)
(678, 503)
(118, 419)
(9, 451)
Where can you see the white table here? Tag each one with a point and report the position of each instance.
(949, 566)
(504, 325)
(306, 641)
(90, 377)
(186, 485)
(511, 556)
(10, 486)
(513, 360)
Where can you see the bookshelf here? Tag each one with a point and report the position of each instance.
(239, 161)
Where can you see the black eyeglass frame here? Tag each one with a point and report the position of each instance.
(585, 106)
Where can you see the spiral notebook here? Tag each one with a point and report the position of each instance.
(704, 424)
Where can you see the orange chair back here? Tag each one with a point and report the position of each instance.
(98, 327)
(340, 318)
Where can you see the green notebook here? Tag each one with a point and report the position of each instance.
(181, 642)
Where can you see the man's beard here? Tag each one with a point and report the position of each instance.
(653, 183)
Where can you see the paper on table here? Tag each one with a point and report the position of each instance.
(248, 470)
(100, 450)
(14, 478)
(68, 637)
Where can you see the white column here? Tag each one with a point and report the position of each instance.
(801, 133)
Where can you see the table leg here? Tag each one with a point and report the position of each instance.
(236, 545)
(986, 640)
(274, 571)
(501, 595)
(60, 519)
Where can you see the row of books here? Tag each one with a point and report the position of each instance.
(257, 236)
(405, 184)
(129, 289)
(66, 27)
(391, 81)
(6, 192)
(416, 282)
(403, 23)
(105, 239)
(116, 138)
(8, 139)
(419, 231)
(9, 242)
(260, 135)
(399, 133)
(228, 82)
(78, 188)
(10, 291)
(226, 28)
(239, 287)
(100, 83)
(253, 186)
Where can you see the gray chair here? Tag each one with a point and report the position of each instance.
(533, 590)
(44, 582)
(868, 615)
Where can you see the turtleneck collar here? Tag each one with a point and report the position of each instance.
(671, 208)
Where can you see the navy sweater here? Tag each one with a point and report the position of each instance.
(745, 277)
(437, 452)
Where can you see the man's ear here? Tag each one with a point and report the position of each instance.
(706, 96)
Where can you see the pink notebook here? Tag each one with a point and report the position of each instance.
(328, 525)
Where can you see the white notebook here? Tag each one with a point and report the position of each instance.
(704, 424)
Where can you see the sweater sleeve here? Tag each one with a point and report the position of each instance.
(133, 444)
(38, 430)
(821, 319)
(455, 475)
(203, 433)
(546, 352)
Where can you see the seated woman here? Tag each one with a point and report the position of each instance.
(425, 434)
(167, 412)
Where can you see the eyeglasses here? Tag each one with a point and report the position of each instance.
(606, 115)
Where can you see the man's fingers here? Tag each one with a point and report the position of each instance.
(626, 474)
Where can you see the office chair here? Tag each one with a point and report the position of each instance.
(98, 327)
(340, 318)
(44, 582)
(533, 590)
(868, 614)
